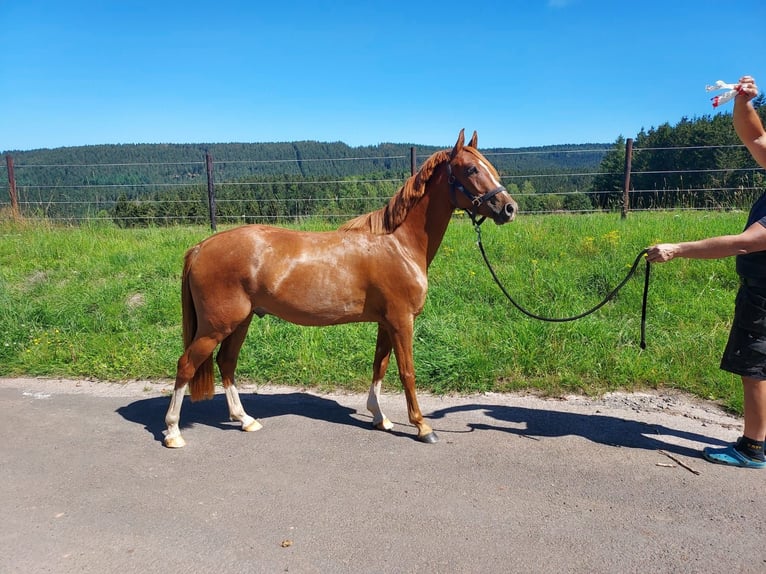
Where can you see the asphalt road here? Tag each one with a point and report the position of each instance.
(515, 484)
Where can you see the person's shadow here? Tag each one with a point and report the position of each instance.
(215, 413)
(598, 428)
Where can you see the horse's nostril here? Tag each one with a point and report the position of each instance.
(509, 209)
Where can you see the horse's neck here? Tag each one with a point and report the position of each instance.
(424, 228)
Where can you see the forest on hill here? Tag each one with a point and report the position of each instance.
(167, 163)
(140, 183)
(696, 163)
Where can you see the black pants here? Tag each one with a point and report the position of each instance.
(745, 352)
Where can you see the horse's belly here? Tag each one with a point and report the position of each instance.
(315, 313)
(315, 301)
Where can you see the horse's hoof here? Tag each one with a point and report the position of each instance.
(385, 424)
(175, 441)
(429, 438)
(253, 426)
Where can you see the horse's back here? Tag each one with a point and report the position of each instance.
(243, 250)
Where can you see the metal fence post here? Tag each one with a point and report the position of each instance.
(413, 161)
(210, 189)
(12, 187)
(626, 182)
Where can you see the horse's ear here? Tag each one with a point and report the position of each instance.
(474, 143)
(459, 144)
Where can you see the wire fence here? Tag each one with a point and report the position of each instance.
(271, 190)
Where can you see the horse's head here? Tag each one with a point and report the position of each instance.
(478, 184)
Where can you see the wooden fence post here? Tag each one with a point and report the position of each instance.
(210, 189)
(626, 182)
(12, 187)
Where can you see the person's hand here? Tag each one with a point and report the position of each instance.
(661, 252)
(747, 88)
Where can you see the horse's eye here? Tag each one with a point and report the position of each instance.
(472, 170)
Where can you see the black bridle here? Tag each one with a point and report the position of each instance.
(476, 200)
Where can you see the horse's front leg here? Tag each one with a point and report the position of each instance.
(402, 341)
(237, 411)
(380, 365)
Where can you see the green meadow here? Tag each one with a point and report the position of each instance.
(100, 302)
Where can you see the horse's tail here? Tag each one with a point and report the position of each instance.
(202, 384)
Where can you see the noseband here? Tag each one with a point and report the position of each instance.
(476, 200)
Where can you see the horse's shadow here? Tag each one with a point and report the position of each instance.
(151, 412)
(530, 423)
(598, 428)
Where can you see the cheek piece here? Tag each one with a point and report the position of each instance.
(476, 200)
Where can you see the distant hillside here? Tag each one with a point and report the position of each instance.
(169, 162)
(258, 177)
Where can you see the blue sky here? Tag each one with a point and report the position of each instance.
(521, 73)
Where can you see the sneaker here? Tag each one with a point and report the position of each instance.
(732, 457)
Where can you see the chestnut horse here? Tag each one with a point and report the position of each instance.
(373, 269)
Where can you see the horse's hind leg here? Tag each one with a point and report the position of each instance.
(380, 365)
(173, 438)
(227, 363)
(194, 355)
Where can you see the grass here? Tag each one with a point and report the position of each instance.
(101, 302)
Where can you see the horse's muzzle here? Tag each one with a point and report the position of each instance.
(506, 212)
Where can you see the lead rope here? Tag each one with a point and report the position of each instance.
(588, 312)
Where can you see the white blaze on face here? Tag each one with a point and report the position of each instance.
(489, 172)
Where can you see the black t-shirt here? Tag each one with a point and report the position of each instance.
(753, 265)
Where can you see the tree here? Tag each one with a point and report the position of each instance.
(697, 163)
(608, 183)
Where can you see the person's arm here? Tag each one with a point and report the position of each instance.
(746, 121)
(749, 241)
(750, 130)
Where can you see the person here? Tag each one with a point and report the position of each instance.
(745, 352)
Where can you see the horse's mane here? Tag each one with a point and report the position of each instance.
(388, 218)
